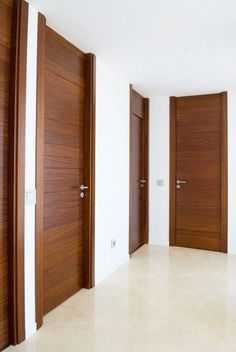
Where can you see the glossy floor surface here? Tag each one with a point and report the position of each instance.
(163, 299)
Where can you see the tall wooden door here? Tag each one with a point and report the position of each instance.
(5, 49)
(13, 52)
(63, 243)
(138, 224)
(199, 172)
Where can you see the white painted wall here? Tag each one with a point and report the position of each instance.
(112, 171)
(159, 169)
(30, 172)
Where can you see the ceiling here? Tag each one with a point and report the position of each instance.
(163, 47)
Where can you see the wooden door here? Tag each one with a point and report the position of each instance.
(63, 217)
(13, 54)
(199, 172)
(138, 225)
(5, 50)
(65, 164)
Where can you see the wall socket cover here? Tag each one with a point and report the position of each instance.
(113, 243)
(30, 197)
(160, 182)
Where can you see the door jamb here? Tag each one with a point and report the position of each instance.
(39, 170)
(90, 103)
(172, 169)
(146, 167)
(90, 152)
(224, 172)
(17, 171)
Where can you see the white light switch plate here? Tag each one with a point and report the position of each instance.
(30, 197)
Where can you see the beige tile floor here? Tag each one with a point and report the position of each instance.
(164, 299)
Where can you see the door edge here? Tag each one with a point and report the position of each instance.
(224, 172)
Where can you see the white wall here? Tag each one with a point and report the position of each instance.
(112, 171)
(159, 169)
(30, 172)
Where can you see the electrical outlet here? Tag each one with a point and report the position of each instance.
(160, 183)
(113, 243)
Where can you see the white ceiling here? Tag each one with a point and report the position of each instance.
(163, 47)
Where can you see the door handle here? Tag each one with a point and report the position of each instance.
(180, 181)
(143, 181)
(83, 187)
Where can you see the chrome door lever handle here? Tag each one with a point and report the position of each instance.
(83, 187)
(180, 181)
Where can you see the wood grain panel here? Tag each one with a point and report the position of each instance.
(61, 105)
(40, 167)
(6, 15)
(17, 170)
(136, 174)
(60, 51)
(137, 104)
(65, 134)
(138, 222)
(63, 211)
(197, 207)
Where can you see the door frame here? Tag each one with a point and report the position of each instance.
(16, 175)
(224, 172)
(146, 162)
(90, 109)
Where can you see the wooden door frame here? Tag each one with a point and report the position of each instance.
(90, 101)
(17, 171)
(146, 162)
(224, 172)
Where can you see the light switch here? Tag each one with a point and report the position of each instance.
(160, 183)
(30, 197)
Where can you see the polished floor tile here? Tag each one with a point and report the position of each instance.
(164, 299)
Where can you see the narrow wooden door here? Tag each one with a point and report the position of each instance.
(13, 52)
(199, 172)
(63, 214)
(138, 225)
(6, 15)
